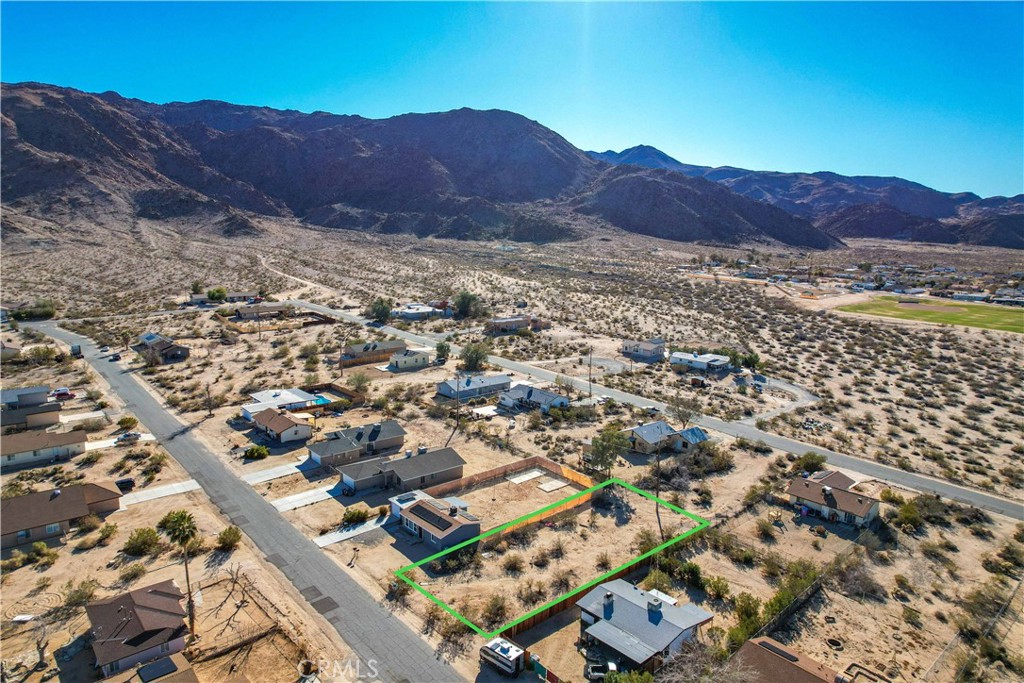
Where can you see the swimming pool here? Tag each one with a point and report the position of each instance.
(321, 400)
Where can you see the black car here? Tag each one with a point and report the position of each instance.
(126, 484)
(114, 357)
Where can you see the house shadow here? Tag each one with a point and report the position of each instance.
(75, 661)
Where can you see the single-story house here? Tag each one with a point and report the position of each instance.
(829, 494)
(705, 362)
(42, 415)
(172, 669)
(473, 386)
(46, 514)
(23, 397)
(635, 626)
(348, 445)
(278, 399)
(370, 352)
(654, 436)
(405, 473)
(769, 661)
(409, 360)
(515, 323)
(417, 311)
(234, 297)
(166, 348)
(282, 425)
(650, 351)
(40, 448)
(264, 311)
(426, 469)
(693, 436)
(439, 523)
(9, 349)
(525, 397)
(136, 627)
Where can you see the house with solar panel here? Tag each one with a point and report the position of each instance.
(440, 523)
(636, 629)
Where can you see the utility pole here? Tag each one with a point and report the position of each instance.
(458, 407)
(590, 374)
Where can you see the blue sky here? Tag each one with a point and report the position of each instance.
(930, 92)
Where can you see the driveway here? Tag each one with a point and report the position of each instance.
(108, 443)
(375, 635)
(159, 492)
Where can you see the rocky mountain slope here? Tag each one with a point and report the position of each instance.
(859, 206)
(72, 160)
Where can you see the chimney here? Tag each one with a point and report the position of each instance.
(609, 598)
(654, 605)
(453, 511)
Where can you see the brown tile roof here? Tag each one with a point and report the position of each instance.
(276, 421)
(135, 621)
(833, 478)
(773, 662)
(49, 507)
(35, 441)
(836, 498)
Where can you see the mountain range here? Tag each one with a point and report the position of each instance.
(74, 161)
(858, 206)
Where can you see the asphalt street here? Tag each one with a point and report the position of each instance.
(376, 635)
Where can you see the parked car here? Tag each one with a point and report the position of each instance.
(64, 395)
(104, 348)
(59, 390)
(128, 437)
(597, 672)
(126, 484)
(116, 356)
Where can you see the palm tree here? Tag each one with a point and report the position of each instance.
(180, 528)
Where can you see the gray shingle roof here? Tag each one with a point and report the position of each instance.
(476, 382)
(628, 612)
(523, 392)
(653, 432)
(430, 462)
(12, 395)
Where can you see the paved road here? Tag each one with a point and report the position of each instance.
(920, 482)
(373, 632)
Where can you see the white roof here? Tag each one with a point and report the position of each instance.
(282, 397)
(504, 649)
(702, 357)
(404, 500)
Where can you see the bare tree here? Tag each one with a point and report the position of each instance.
(42, 641)
(698, 663)
(683, 409)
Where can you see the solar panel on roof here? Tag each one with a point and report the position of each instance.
(157, 669)
(779, 651)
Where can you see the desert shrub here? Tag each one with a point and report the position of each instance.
(132, 572)
(690, 573)
(512, 564)
(128, 422)
(142, 541)
(107, 532)
(17, 560)
(765, 529)
(229, 538)
(88, 523)
(43, 555)
(562, 581)
(645, 540)
(530, 592)
(76, 595)
(355, 516)
(809, 462)
(495, 611)
(657, 580)
(257, 452)
(542, 558)
(717, 587)
(891, 497)
(604, 562)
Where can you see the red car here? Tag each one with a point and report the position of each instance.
(64, 395)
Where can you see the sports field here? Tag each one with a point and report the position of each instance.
(943, 311)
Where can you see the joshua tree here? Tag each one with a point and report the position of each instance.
(180, 528)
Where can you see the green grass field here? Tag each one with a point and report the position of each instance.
(986, 316)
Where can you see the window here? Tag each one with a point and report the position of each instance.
(53, 528)
(164, 647)
(24, 534)
(422, 479)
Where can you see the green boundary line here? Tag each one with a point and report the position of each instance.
(401, 573)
